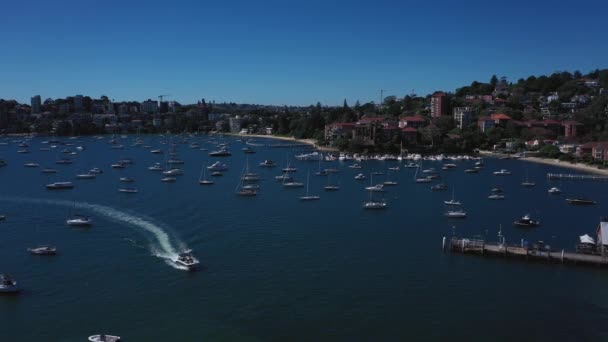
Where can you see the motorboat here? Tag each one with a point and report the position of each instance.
(497, 190)
(31, 165)
(247, 192)
(168, 179)
(79, 221)
(8, 284)
(104, 338)
(293, 184)
(375, 188)
(496, 196)
(248, 150)
(452, 202)
(283, 177)
(86, 176)
(289, 169)
(360, 177)
(60, 186)
(310, 156)
(390, 183)
(156, 151)
(268, 163)
(355, 166)
(554, 191)
(309, 198)
(128, 191)
(424, 180)
(502, 172)
(175, 161)
(580, 201)
(217, 174)
(187, 260)
(250, 177)
(46, 170)
(127, 179)
(156, 167)
(455, 214)
(439, 187)
(118, 166)
(471, 171)
(331, 188)
(526, 221)
(96, 170)
(43, 250)
(528, 184)
(217, 166)
(220, 153)
(374, 205)
(173, 172)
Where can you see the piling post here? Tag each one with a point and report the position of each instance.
(562, 256)
(443, 244)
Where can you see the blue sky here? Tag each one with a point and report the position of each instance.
(287, 52)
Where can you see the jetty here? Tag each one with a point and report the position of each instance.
(573, 176)
(478, 246)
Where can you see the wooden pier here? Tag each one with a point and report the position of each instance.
(571, 176)
(480, 247)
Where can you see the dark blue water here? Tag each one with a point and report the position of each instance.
(278, 269)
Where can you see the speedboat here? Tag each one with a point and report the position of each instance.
(96, 170)
(46, 170)
(8, 284)
(360, 176)
(86, 176)
(43, 250)
(127, 180)
(439, 187)
(104, 338)
(496, 196)
(455, 214)
(187, 260)
(309, 198)
(374, 205)
(580, 201)
(79, 221)
(168, 179)
(217, 166)
(60, 186)
(31, 164)
(554, 191)
(502, 172)
(526, 221)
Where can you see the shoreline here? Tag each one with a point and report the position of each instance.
(556, 163)
(310, 142)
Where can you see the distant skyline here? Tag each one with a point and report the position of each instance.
(288, 52)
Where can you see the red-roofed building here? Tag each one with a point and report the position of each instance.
(365, 121)
(439, 104)
(409, 135)
(415, 121)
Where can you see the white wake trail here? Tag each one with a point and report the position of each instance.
(163, 248)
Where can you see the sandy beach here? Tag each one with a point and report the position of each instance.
(310, 142)
(556, 162)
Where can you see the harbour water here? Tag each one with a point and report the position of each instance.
(276, 268)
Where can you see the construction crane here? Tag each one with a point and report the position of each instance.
(160, 97)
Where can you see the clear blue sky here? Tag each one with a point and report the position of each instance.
(288, 52)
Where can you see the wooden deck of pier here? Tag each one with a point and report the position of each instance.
(573, 176)
(480, 247)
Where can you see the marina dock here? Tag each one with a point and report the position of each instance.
(571, 176)
(480, 247)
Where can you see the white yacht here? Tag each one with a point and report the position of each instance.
(168, 179)
(104, 338)
(173, 172)
(43, 250)
(60, 186)
(496, 196)
(128, 191)
(8, 284)
(555, 191)
(127, 179)
(374, 205)
(86, 176)
(375, 188)
(502, 172)
(217, 166)
(360, 177)
(156, 167)
(455, 214)
(31, 164)
(96, 170)
(79, 221)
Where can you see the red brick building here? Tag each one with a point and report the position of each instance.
(439, 104)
